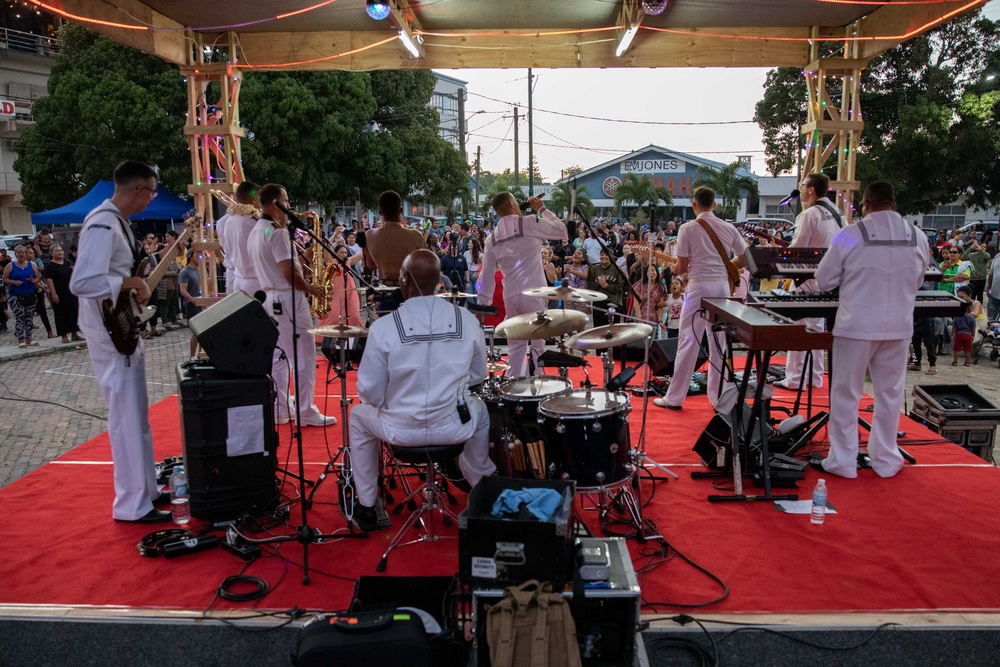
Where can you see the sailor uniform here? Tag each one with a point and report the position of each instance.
(418, 363)
(878, 264)
(234, 232)
(107, 252)
(516, 245)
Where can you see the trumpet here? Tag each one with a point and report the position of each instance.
(234, 207)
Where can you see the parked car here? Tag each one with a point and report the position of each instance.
(990, 228)
(11, 241)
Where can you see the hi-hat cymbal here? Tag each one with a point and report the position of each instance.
(611, 335)
(339, 331)
(566, 293)
(455, 295)
(497, 367)
(543, 324)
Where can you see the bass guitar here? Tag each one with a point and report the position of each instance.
(124, 318)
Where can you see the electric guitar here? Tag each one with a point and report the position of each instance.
(124, 318)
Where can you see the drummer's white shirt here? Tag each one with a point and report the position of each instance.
(419, 359)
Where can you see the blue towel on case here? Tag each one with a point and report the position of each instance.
(540, 502)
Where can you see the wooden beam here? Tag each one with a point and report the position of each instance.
(167, 41)
(828, 126)
(520, 49)
(903, 22)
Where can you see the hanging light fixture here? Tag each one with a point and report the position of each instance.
(377, 9)
(654, 7)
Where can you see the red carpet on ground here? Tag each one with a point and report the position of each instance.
(920, 541)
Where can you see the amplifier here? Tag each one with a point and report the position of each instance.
(607, 623)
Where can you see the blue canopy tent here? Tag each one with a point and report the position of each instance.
(166, 206)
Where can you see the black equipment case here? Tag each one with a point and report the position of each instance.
(370, 639)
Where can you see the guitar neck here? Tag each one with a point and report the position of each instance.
(160, 270)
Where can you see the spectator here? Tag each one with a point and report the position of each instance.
(955, 275)
(979, 260)
(605, 278)
(43, 245)
(189, 288)
(65, 306)
(671, 320)
(576, 270)
(41, 289)
(169, 286)
(152, 247)
(993, 290)
(474, 260)
(454, 266)
(21, 278)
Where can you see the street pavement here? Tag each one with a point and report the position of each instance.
(50, 401)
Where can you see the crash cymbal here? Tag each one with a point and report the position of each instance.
(497, 367)
(543, 324)
(611, 335)
(455, 295)
(566, 293)
(339, 331)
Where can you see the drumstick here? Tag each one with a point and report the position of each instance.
(534, 460)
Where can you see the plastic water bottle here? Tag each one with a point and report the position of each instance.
(819, 503)
(180, 501)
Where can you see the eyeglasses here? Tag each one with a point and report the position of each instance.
(152, 191)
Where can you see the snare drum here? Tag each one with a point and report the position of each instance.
(587, 435)
(519, 399)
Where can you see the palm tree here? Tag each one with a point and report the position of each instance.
(641, 190)
(728, 184)
(560, 199)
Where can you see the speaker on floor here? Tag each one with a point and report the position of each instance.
(715, 444)
(237, 334)
(663, 352)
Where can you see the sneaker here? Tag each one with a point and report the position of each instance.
(931, 371)
(914, 367)
(319, 420)
(366, 518)
(22, 345)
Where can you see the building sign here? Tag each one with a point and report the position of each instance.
(653, 166)
(611, 184)
(6, 109)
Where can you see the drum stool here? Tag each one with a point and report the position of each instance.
(432, 490)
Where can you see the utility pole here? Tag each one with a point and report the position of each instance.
(517, 178)
(478, 154)
(531, 144)
(461, 126)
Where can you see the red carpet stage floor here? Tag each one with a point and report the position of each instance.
(920, 542)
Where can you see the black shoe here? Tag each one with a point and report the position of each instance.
(152, 516)
(454, 475)
(816, 464)
(366, 519)
(162, 499)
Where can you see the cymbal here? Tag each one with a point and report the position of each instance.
(566, 293)
(611, 335)
(339, 331)
(455, 295)
(544, 324)
(497, 367)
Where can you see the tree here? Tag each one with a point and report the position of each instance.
(560, 199)
(641, 191)
(930, 128)
(729, 186)
(107, 102)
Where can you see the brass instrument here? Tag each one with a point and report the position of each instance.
(320, 304)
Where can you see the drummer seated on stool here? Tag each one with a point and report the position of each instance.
(413, 380)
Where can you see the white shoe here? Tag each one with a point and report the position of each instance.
(784, 384)
(661, 403)
(321, 420)
(281, 421)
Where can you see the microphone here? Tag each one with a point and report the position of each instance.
(789, 199)
(260, 295)
(525, 206)
(294, 221)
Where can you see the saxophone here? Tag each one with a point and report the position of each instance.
(321, 304)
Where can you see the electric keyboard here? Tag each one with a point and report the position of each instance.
(798, 263)
(761, 329)
(929, 303)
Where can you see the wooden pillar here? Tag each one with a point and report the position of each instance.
(832, 129)
(213, 132)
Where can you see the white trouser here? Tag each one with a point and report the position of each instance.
(306, 347)
(368, 428)
(886, 361)
(233, 282)
(124, 390)
(796, 359)
(692, 327)
(514, 305)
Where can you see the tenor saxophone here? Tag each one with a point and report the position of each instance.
(320, 304)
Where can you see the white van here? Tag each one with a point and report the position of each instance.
(990, 227)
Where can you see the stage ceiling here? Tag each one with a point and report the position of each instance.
(338, 34)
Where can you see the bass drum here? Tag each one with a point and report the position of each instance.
(519, 400)
(588, 439)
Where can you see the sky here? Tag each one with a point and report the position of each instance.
(639, 106)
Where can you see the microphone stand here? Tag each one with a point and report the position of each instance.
(305, 534)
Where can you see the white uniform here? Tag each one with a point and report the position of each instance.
(105, 259)
(706, 278)
(267, 245)
(516, 244)
(419, 361)
(233, 236)
(879, 265)
(814, 228)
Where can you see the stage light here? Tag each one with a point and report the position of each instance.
(654, 7)
(626, 40)
(377, 10)
(408, 43)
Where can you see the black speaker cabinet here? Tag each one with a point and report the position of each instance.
(663, 352)
(237, 334)
(715, 444)
(229, 442)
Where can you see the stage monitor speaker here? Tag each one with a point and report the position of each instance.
(663, 352)
(715, 444)
(237, 334)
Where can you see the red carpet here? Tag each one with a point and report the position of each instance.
(919, 541)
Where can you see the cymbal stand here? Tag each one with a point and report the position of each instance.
(345, 447)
